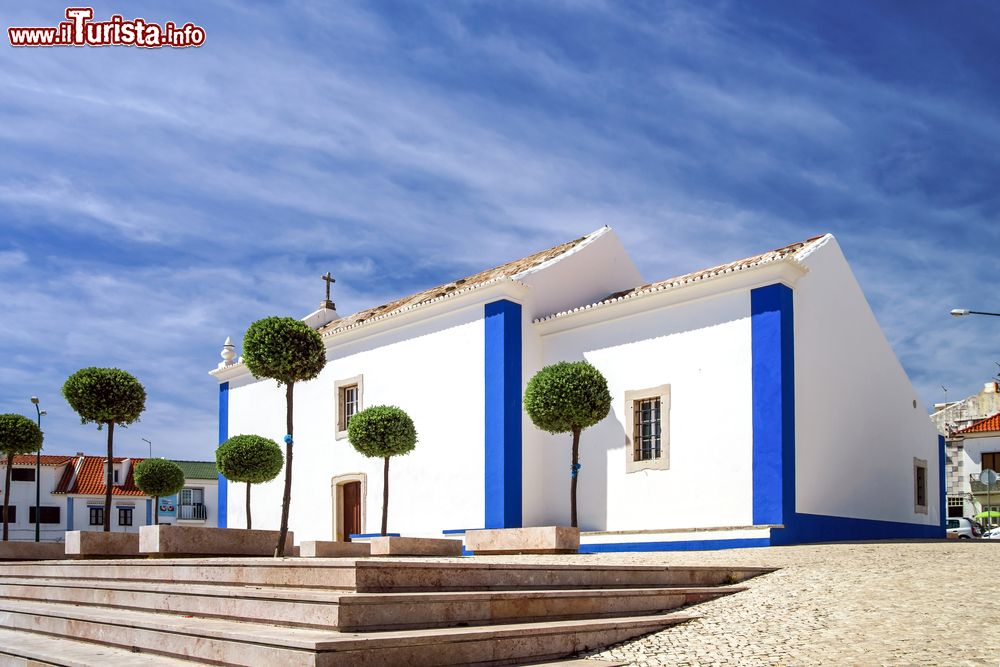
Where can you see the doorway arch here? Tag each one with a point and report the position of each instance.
(344, 494)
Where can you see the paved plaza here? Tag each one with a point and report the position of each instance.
(913, 603)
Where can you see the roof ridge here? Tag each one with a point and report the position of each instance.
(791, 251)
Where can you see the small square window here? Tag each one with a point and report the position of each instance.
(96, 516)
(22, 475)
(647, 429)
(11, 513)
(49, 514)
(124, 516)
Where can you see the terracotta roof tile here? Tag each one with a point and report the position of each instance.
(768, 257)
(987, 425)
(29, 459)
(90, 480)
(496, 274)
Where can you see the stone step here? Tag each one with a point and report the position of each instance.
(374, 575)
(28, 649)
(230, 642)
(360, 611)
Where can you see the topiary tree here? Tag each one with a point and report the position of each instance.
(105, 396)
(289, 351)
(18, 435)
(568, 397)
(253, 459)
(382, 431)
(158, 477)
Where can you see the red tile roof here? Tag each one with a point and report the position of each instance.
(29, 459)
(90, 478)
(988, 425)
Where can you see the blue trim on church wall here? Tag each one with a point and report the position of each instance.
(773, 394)
(223, 512)
(503, 414)
(69, 514)
(942, 494)
(677, 545)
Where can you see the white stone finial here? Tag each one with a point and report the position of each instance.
(228, 352)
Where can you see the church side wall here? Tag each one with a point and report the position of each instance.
(702, 349)
(858, 422)
(432, 369)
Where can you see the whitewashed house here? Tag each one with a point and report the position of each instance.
(977, 448)
(72, 496)
(783, 414)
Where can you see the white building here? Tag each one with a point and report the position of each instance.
(783, 413)
(73, 489)
(977, 447)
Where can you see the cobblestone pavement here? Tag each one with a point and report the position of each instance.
(888, 603)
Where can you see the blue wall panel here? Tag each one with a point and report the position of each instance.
(503, 414)
(223, 517)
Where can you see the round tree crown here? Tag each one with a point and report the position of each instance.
(158, 477)
(105, 395)
(249, 458)
(382, 430)
(566, 396)
(284, 349)
(19, 435)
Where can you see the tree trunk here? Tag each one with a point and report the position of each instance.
(6, 494)
(576, 472)
(248, 506)
(385, 497)
(156, 511)
(110, 481)
(279, 551)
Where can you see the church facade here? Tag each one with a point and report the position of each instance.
(753, 403)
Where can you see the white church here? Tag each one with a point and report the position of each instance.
(754, 403)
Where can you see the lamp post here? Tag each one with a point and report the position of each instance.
(38, 476)
(150, 447)
(962, 312)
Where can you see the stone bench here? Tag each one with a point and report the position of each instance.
(414, 546)
(32, 550)
(167, 540)
(535, 540)
(98, 544)
(328, 549)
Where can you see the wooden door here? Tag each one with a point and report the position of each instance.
(352, 509)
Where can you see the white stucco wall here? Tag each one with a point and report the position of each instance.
(859, 423)
(433, 369)
(22, 496)
(702, 350)
(972, 451)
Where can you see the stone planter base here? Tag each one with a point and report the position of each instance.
(32, 550)
(98, 544)
(164, 540)
(318, 549)
(539, 540)
(415, 546)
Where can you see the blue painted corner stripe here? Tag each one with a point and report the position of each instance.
(368, 535)
(503, 414)
(223, 512)
(773, 397)
(942, 493)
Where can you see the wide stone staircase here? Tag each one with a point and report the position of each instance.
(336, 611)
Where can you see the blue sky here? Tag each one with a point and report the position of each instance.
(153, 202)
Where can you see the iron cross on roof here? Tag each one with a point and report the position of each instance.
(329, 280)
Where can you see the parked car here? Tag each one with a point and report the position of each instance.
(963, 528)
(992, 534)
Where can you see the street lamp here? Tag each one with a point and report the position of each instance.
(38, 476)
(962, 312)
(150, 447)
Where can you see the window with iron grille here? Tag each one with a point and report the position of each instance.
(646, 431)
(96, 516)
